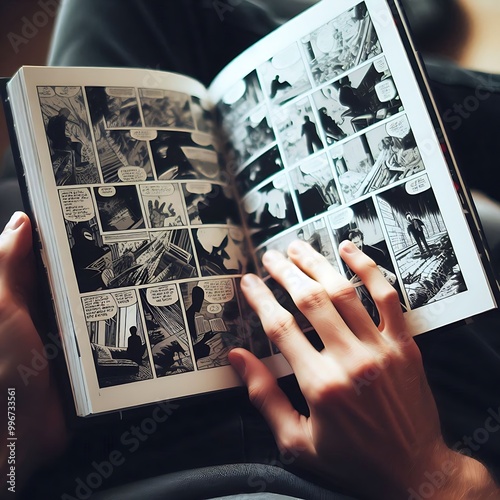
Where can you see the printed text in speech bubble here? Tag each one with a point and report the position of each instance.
(99, 307)
(342, 218)
(162, 295)
(77, 204)
(400, 127)
(416, 186)
(217, 291)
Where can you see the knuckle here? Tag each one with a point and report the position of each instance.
(313, 299)
(346, 293)
(281, 328)
(289, 443)
(389, 296)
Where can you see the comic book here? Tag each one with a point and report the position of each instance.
(152, 195)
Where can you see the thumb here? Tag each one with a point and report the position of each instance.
(267, 397)
(16, 256)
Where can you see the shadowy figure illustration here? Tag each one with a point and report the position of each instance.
(135, 347)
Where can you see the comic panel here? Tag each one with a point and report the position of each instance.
(240, 100)
(394, 151)
(360, 99)
(315, 233)
(113, 107)
(251, 137)
(68, 135)
(166, 109)
(315, 187)
(420, 240)
(122, 262)
(203, 115)
(298, 131)
(259, 170)
(214, 320)
(341, 44)
(123, 154)
(270, 210)
(164, 205)
(284, 76)
(210, 204)
(166, 330)
(220, 250)
(183, 155)
(117, 339)
(119, 208)
(360, 224)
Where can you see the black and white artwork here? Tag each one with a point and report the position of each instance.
(151, 258)
(315, 233)
(252, 136)
(123, 156)
(360, 224)
(359, 99)
(270, 210)
(220, 250)
(119, 208)
(284, 76)
(240, 100)
(164, 205)
(424, 253)
(268, 164)
(116, 107)
(166, 109)
(214, 320)
(68, 135)
(203, 115)
(315, 187)
(119, 346)
(183, 155)
(166, 330)
(298, 130)
(210, 204)
(341, 44)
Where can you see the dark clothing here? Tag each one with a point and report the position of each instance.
(416, 229)
(56, 132)
(312, 137)
(135, 349)
(462, 364)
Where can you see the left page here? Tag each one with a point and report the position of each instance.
(141, 228)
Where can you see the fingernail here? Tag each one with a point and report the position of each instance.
(348, 247)
(238, 363)
(272, 256)
(15, 221)
(250, 280)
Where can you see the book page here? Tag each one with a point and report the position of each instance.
(141, 232)
(329, 139)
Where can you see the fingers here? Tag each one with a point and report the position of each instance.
(311, 299)
(338, 288)
(264, 393)
(279, 325)
(385, 295)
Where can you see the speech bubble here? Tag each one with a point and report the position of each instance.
(341, 218)
(120, 92)
(77, 204)
(144, 135)
(217, 291)
(386, 90)
(281, 183)
(314, 165)
(107, 191)
(210, 237)
(125, 298)
(198, 187)
(162, 295)
(46, 92)
(235, 93)
(252, 202)
(158, 190)
(201, 139)
(258, 116)
(99, 307)
(381, 65)
(132, 174)
(214, 308)
(417, 186)
(152, 93)
(324, 39)
(400, 127)
(286, 58)
(67, 91)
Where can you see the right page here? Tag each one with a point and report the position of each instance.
(330, 138)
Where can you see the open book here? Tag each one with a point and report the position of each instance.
(152, 195)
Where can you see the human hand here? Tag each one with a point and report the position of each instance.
(39, 422)
(373, 426)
